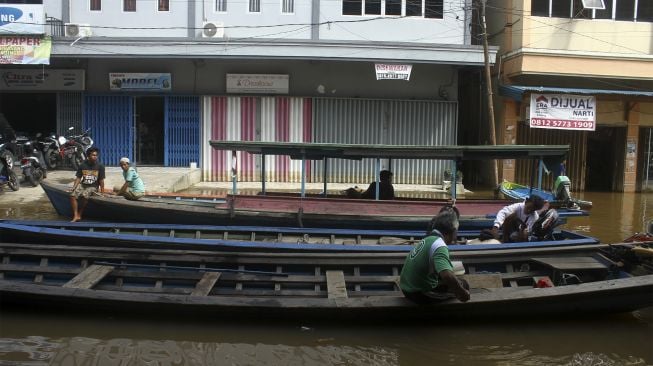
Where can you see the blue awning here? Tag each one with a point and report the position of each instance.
(516, 92)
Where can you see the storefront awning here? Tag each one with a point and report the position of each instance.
(516, 92)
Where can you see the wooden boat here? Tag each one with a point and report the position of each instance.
(209, 284)
(521, 192)
(249, 238)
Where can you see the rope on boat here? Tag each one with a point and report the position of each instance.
(206, 269)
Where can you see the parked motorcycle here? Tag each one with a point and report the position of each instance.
(7, 175)
(51, 150)
(32, 164)
(73, 148)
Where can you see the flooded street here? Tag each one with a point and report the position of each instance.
(40, 338)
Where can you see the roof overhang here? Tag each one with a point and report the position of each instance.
(517, 92)
(266, 49)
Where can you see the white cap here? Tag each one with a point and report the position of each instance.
(124, 160)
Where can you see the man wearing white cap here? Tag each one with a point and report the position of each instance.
(133, 189)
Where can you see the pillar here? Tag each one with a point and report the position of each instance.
(632, 139)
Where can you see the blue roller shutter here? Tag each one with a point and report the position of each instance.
(111, 119)
(182, 131)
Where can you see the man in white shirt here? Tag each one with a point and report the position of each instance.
(517, 220)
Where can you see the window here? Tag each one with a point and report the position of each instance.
(352, 7)
(254, 6)
(392, 7)
(373, 7)
(625, 10)
(221, 5)
(96, 5)
(540, 8)
(580, 12)
(414, 8)
(645, 11)
(561, 9)
(129, 5)
(604, 14)
(288, 6)
(434, 9)
(164, 5)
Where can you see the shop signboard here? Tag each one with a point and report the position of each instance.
(257, 83)
(21, 19)
(25, 50)
(563, 112)
(393, 71)
(154, 82)
(41, 80)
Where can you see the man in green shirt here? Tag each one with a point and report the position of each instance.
(133, 188)
(427, 275)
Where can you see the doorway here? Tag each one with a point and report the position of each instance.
(149, 124)
(605, 159)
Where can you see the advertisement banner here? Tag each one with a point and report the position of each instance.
(20, 19)
(563, 112)
(41, 80)
(257, 83)
(25, 50)
(393, 72)
(155, 82)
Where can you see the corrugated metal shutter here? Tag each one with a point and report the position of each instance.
(69, 112)
(575, 161)
(182, 130)
(364, 121)
(111, 120)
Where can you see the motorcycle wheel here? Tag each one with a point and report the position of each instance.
(51, 158)
(13, 181)
(9, 157)
(77, 160)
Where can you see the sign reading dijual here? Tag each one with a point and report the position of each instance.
(563, 112)
(257, 83)
(140, 82)
(393, 72)
(20, 19)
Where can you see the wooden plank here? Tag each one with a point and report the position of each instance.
(336, 287)
(510, 270)
(489, 280)
(39, 277)
(571, 263)
(89, 277)
(205, 285)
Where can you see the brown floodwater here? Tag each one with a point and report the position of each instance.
(30, 337)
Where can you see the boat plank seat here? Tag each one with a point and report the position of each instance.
(572, 263)
(336, 287)
(206, 283)
(89, 277)
(484, 280)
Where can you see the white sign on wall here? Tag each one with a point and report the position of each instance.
(42, 80)
(120, 81)
(393, 71)
(21, 19)
(257, 83)
(563, 112)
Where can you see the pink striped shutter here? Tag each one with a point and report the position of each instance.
(219, 162)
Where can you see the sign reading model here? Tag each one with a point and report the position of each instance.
(563, 112)
(155, 82)
(20, 19)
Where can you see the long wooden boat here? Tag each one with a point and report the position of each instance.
(520, 192)
(276, 211)
(250, 238)
(211, 284)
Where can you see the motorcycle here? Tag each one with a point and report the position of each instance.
(7, 175)
(32, 164)
(73, 148)
(51, 150)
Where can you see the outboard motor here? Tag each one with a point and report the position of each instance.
(544, 226)
(561, 188)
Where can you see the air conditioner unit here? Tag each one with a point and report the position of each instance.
(77, 30)
(212, 29)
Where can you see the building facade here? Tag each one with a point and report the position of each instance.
(558, 47)
(156, 80)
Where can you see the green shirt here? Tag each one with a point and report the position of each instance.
(135, 183)
(423, 264)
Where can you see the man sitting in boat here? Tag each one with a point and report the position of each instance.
(428, 274)
(133, 188)
(516, 220)
(386, 191)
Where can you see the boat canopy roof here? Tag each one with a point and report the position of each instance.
(319, 151)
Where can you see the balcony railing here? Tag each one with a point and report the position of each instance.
(54, 27)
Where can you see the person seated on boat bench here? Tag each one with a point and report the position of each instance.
(133, 188)
(386, 191)
(88, 179)
(516, 220)
(428, 274)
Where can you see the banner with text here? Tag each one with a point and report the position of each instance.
(25, 50)
(155, 82)
(258, 83)
(393, 72)
(563, 112)
(22, 19)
